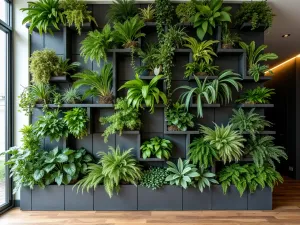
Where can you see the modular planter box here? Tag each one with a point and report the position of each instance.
(230, 201)
(193, 199)
(52, 197)
(78, 200)
(166, 198)
(126, 199)
(25, 202)
(260, 199)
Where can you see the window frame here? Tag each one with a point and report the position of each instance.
(9, 109)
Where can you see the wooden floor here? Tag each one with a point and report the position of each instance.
(286, 205)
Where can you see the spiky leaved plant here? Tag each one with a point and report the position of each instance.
(263, 150)
(71, 96)
(249, 122)
(147, 14)
(122, 10)
(65, 68)
(258, 95)
(205, 179)
(227, 141)
(100, 84)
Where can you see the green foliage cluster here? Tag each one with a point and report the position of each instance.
(65, 68)
(122, 10)
(185, 11)
(76, 12)
(139, 93)
(125, 117)
(258, 95)
(205, 179)
(158, 147)
(178, 118)
(229, 38)
(164, 11)
(149, 59)
(147, 14)
(154, 178)
(71, 96)
(256, 12)
(114, 167)
(76, 121)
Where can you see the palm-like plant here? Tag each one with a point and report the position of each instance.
(205, 179)
(43, 14)
(122, 10)
(128, 32)
(119, 166)
(227, 141)
(223, 84)
(255, 57)
(263, 150)
(64, 68)
(140, 92)
(259, 95)
(202, 153)
(249, 122)
(147, 14)
(96, 43)
(203, 91)
(100, 84)
(182, 173)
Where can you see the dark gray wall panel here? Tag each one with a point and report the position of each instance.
(25, 203)
(99, 145)
(50, 198)
(49, 145)
(178, 142)
(55, 42)
(208, 117)
(222, 115)
(153, 122)
(37, 42)
(76, 40)
(180, 60)
(126, 199)
(193, 199)
(83, 66)
(86, 142)
(166, 198)
(177, 93)
(101, 113)
(78, 200)
(100, 14)
(260, 200)
(126, 141)
(124, 69)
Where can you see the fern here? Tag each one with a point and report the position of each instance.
(263, 150)
(259, 95)
(122, 10)
(202, 152)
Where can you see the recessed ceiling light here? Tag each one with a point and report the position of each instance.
(286, 35)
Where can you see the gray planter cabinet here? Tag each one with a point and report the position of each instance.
(260, 199)
(193, 199)
(52, 197)
(230, 201)
(166, 198)
(78, 201)
(126, 199)
(25, 199)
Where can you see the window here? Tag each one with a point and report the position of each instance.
(5, 101)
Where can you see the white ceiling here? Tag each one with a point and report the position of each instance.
(286, 21)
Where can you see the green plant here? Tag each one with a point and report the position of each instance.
(164, 11)
(259, 95)
(76, 13)
(202, 68)
(64, 68)
(2, 171)
(202, 153)
(122, 10)
(128, 32)
(249, 122)
(147, 14)
(125, 117)
(63, 166)
(154, 178)
(263, 150)
(36, 93)
(71, 96)
(185, 11)
(30, 141)
(203, 91)
(57, 99)
(42, 15)
(204, 179)
(223, 83)
(178, 118)
(140, 92)
(227, 141)
(100, 84)
(96, 43)
(234, 174)
(51, 125)
(255, 12)
(42, 65)
(117, 167)
(255, 57)
(182, 174)
(76, 121)
(210, 14)
(158, 147)
(150, 57)
(229, 40)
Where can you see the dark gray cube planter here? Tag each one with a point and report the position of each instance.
(25, 194)
(166, 198)
(230, 201)
(78, 201)
(52, 197)
(193, 199)
(126, 199)
(260, 200)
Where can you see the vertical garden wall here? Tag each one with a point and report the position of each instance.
(191, 192)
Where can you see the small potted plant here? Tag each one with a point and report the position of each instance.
(71, 96)
(64, 68)
(200, 69)
(156, 147)
(149, 61)
(259, 95)
(147, 14)
(229, 40)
